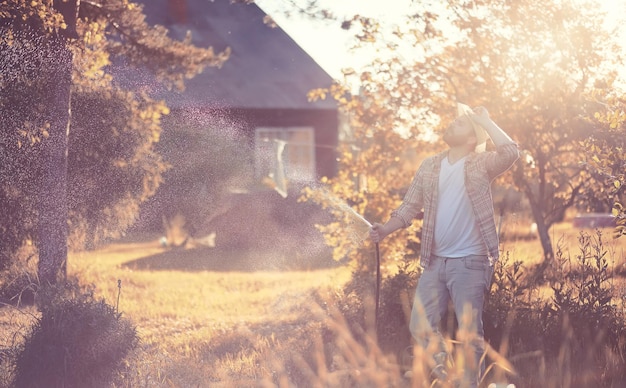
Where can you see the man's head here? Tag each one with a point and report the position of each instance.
(476, 135)
(461, 133)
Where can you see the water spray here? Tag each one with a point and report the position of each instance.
(352, 212)
(277, 180)
(359, 230)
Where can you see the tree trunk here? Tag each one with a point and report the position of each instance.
(53, 213)
(543, 230)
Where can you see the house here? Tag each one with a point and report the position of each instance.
(264, 83)
(262, 91)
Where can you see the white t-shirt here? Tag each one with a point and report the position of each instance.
(456, 232)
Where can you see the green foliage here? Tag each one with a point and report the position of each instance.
(579, 331)
(395, 299)
(376, 165)
(533, 64)
(111, 145)
(605, 154)
(30, 15)
(396, 296)
(112, 164)
(587, 294)
(77, 342)
(563, 327)
(512, 300)
(359, 290)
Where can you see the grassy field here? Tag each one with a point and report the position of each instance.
(202, 302)
(217, 319)
(204, 318)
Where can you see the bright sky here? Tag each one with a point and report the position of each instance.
(329, 45)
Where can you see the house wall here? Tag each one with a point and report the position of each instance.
(191, 188)
(324, 122)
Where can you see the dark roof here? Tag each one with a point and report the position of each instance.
(266, 69)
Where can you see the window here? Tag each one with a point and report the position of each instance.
(289, 151)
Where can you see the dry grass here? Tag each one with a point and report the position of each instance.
(521, 247)
(520, 244)
(200, 326)
(214, 323)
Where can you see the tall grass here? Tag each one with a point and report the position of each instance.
(234, 328)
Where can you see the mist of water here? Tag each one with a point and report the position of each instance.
(353, 226)
(285, 235)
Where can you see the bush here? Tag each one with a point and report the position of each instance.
(396, 299)
(352, 300)
(19, 282)
(77, 342)
(563, 328)
(357, 300)
(570, 332)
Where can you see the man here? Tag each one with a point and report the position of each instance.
(459, 240)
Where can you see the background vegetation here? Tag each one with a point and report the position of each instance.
(547, 74)
(547, 71)
(282, 328)
(113, 130)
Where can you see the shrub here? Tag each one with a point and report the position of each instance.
(396, 298)
(563, 328)
(77, 342)
(352, 301)
(19, 282)
(511, 317)
(572, 333)
(584, 317)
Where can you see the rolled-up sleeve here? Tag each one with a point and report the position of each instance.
(413, 201)
(501, 160)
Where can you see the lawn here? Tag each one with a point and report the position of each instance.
(204, 316)
(198, 304)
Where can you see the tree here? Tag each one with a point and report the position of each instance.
(54, 71)
(112, 166)
(605, 153)
(532, 63)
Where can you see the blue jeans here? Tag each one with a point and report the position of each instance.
(466, 281)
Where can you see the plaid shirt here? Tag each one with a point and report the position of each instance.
(480, 170)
